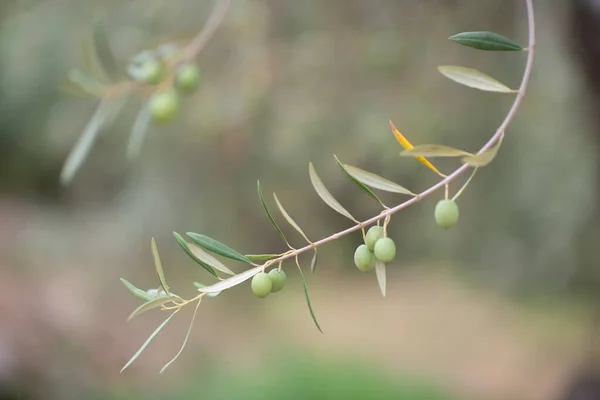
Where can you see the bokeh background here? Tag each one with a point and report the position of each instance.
(501, 307)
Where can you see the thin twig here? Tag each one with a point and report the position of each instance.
(216, 17)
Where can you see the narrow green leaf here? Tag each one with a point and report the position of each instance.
(86, 84)
(103, 49)
(231, 282)
(142, 294)
(208, 259)
(106, 111)
(159, 268)
(381, 276)
(217, 247)
(434, 150)
(473, 78)
(184, 245)
(264, 204)
(313, 262)
(212, 294)
(261, 257)
(289, 219)
(147, 342)
(325, 195)
(358, 183)
(376, 181)
(312, 312)
(152, 304)
(138, 133)
(184, 340)
(486, 157)
(486, 41)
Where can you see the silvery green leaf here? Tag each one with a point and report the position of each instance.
(325, 195)
(103, 48)
(184, 245)
(381, 276)
(289, 219)
(473, 78)
(217, 247)
(358, 183)
(486, 157)
(147, 342)
(375, 181)
(231, 282)
(184, 340)
(138, 133)
(152, 304)
(200, 285)
(159, 268)
(264, 204)
(310, 308)
(434, 150)
(137, 292)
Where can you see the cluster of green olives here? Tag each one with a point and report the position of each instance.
(446, 213)
(376, 247)
(263, 284)
(151, 68)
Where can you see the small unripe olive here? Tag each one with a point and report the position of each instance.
(187, 78)
(373, 234)
(261, 285)
(277, 280)
(364, 259)
(446, 213)
(152, 72)
(163, 105)
(385, 250)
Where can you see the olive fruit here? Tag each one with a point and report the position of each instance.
(163, 105)
(261, 285)
(364, 258)
(373, 234)
(187, 78)
(385, 250)
(277, 280)
(446, 213)
(152, 72)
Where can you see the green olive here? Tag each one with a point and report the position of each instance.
(446, 213)
(277, 279)
(163, 106)
(187, 78)
(364, 259)
(373, 234)
(385, 250)
(261, 285)
(152, 72)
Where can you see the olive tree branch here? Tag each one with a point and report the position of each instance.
(449, 178)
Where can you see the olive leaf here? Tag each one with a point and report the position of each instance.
(289, 219)
(191, 254)
(217, 247)
(407, 145)
(106, 111)
(138, 133)
(273, 222)
(200, 285)
(381, 276)
(484, 158)
(358, 183)
(486, 41)
(261, 257)
(80, 84)
(325, 195)
(208, 259)
(152, 304)
(147, 342)
(376, 181)
(231, 282)
(159, 268)
(103, 48)
(184, 340)
(142, 294)
(473, 78)
(313, 262)
(310, 308)
(434, 150)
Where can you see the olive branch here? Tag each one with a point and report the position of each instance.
(161, 74)
(378, 249)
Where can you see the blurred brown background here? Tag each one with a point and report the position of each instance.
(501, 307)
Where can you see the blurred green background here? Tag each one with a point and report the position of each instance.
(497, 308)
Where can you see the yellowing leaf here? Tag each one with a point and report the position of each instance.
(473, 78)
(434, 150)
(486, 157)
(407, 145)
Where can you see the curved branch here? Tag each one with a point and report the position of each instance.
(501, 129)
(216, 17)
